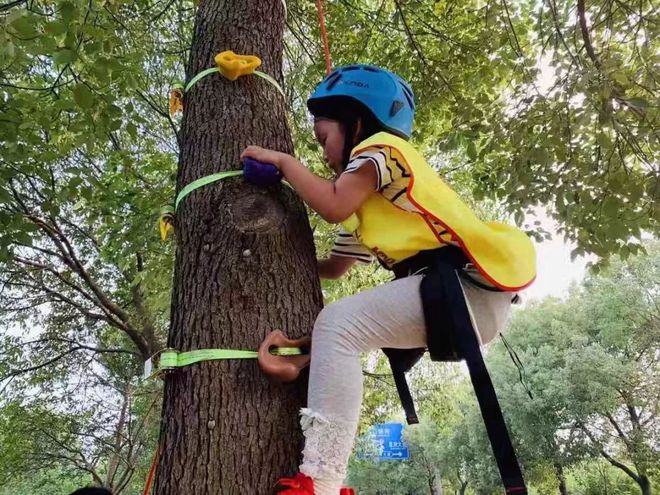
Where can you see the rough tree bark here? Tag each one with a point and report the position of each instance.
(245, 265)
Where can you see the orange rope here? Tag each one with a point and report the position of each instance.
(152, 472)
(324, 37)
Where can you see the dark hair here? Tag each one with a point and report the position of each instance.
(92, 490)
(348, 112)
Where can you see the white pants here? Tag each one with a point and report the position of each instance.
(389, 315)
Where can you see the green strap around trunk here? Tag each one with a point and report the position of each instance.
(213, 70)
(171, 359)
(204, 181)
(174, 359)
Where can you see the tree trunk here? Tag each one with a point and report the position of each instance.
(641, 479)
(463, 488)
(431, 480)
(645, 485)
(561, 478)
(245, 265)
(437, 488)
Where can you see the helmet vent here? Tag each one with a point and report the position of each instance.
(409, 97)
(396, 106)
(332, 80)
(350, 67)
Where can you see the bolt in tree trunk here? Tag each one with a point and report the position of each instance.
(245, 265)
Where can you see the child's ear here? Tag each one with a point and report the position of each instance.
(358, 131)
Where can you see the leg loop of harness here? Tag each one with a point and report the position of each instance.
(451, 337)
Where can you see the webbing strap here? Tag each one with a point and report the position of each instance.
(173, 359)
(213, 70)
(271, 80)
(443, 281)
(405, 396)
(208, 179)
(199, 76)
(401, 361)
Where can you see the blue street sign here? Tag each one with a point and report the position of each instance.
(384, 443)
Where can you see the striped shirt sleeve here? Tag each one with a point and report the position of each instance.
(376, 157)
(347, 246)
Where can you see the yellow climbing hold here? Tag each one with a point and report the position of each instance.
(166, 221)
(233, 66)
(165, 228)
(176, 99)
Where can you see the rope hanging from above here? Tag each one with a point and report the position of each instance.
(324, 36)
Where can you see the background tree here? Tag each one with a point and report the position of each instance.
(84, 290)
(592, 364)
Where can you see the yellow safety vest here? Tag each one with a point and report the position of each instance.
(503, 254)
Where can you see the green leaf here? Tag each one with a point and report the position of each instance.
(23, 237)
(611, 207)
(67, 11)
(620, 77)
(55, 28)
(539, 156)
(471, 151)
(131, 129)
(114, 111)
(638, 102)
(8, 51)
(5, 197)
(83, 96)
(24, 27)
(64, 56)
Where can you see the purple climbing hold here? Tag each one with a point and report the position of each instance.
(260, 173)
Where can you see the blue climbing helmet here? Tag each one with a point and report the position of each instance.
(388, 98)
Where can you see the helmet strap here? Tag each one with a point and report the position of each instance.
(352, 131)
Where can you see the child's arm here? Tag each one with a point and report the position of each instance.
(334, 201)
(334, 266)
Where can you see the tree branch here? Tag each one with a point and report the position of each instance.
(584, 29)
(620, 465)
(148, 329)
(114, 461)
(71, 260)
(108, 317)
(618, 429)
(58, 275)
(79, 347)
(608, 457)
(6, 6)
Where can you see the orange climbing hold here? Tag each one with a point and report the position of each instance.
(176, 99)
(233, 66)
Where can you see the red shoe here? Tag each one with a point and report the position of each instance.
(300, 484)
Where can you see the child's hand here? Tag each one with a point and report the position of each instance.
(264, 155)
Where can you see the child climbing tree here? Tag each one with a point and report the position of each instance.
(245, 265)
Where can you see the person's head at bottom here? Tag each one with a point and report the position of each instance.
(92, 490)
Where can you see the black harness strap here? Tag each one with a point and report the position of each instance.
(451, 337)
(401, 360)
